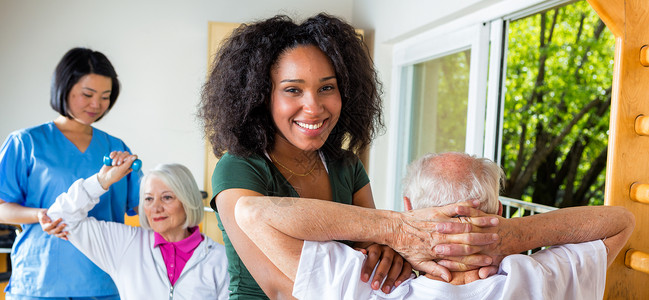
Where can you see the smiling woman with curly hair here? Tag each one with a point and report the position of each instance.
(236, 98)
(286, 107)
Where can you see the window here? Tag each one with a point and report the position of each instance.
(529, 87)
(557, 99)
(437, 108)
(439, 104)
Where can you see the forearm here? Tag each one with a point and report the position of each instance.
(318, 220)
(13, 213)
(270, 278)
(415, 235)
(563, 226)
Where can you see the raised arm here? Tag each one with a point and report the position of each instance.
(73, 206)
(14, 213)
(95, 239)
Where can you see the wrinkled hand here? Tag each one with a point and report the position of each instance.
(474, 261)
(122, 162)
(52, 228)
(497, 251)
(391, 266)
(434, 233)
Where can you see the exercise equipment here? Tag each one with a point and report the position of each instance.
(136, 166)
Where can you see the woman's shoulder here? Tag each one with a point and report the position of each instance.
(229, 163)
(254, 158)
(215, 250)
(41, 129)
(253, 173)
(32, 135)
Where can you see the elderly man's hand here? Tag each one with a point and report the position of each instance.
(429, 234)
(474, 262)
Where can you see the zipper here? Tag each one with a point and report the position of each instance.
(185, 271)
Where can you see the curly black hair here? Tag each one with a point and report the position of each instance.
(234, 108)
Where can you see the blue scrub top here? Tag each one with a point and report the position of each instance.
(36, 165)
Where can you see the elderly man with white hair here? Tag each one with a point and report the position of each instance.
(297, 235)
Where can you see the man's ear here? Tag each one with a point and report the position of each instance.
(406, 203)
(500, 208)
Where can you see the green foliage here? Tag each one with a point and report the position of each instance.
(558, 81)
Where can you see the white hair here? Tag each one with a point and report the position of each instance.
(181, 181)
(440, 179)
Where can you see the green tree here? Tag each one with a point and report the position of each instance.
(557, 103)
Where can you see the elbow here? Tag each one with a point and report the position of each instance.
(245, 213)
(626, 220)
(629, 219)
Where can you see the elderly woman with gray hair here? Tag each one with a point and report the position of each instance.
(167, 257)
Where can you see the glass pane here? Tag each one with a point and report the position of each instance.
(439, 105)
(557, 103)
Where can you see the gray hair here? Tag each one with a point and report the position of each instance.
(440, 179)
(181, 181)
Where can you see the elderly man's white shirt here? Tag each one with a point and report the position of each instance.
(331, 270)
(127, 254)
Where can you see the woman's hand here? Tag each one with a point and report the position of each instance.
(389, 264)
(121, 166)
(52, 228)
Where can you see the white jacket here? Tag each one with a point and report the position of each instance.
(127, 254)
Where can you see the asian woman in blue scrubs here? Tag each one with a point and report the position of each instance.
(39, 163)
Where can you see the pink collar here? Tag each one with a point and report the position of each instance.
(186, 245)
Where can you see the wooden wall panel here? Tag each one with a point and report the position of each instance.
(628, 152)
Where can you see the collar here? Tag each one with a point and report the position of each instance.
(186, 245)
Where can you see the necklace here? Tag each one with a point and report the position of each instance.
(291, 171)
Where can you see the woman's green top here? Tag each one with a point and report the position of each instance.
(257, 173)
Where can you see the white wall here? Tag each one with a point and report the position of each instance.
(158, 47)
(391, 22)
